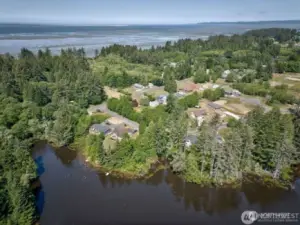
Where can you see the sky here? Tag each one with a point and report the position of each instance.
(93, 12)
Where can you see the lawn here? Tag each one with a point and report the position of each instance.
(235, 105)
(290, 79)
(156, 91)
(112, 93)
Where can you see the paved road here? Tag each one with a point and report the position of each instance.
(103, 108)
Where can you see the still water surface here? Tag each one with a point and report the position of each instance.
(71, 193)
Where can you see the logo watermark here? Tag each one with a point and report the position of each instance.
(249, 217)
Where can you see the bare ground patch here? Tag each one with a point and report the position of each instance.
(112, 93)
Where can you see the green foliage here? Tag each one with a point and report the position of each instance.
(279, 34)
(277, 94)
(94, 147)
(169, 82)
(171, 103)
(270, 130)
(145, 101)
(183, 70)
(201, 76)
(232, 122)
(213, 95)
(190, 101)
(124, 107)
(42, 97)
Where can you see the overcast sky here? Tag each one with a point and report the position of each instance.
(146, 11)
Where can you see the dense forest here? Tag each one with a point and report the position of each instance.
(41, 98)
(44, 97)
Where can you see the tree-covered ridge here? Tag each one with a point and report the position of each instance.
(41, 98)
(257, 50)
(279, 34)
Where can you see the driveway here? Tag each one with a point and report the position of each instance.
(103, 108)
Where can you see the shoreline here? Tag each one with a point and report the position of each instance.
(262, 179)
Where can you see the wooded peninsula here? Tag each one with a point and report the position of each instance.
(215, 110)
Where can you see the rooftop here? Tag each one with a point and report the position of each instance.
(199, 112)
(214, 105)
(120, 130)
(100, 128)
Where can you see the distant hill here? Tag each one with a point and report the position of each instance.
(254, 22)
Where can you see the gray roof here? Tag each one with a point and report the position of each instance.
(199, 112)
(100, 128)
(214, 105)
(120, 130)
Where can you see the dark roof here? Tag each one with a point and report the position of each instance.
(100, 128)
(214, 105)
(199, 112)
(120, 130)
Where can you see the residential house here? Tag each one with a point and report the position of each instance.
(119, 132)
(154, 104)
(190, 140)
(198, 115)
(214, 105)
(100, 128)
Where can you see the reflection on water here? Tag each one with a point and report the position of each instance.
(73, 193)
(65, 155)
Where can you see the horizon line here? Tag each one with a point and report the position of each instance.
(145, 24)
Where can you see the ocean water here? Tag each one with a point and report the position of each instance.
(13, 37)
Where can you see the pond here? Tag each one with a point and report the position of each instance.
(72, 193)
